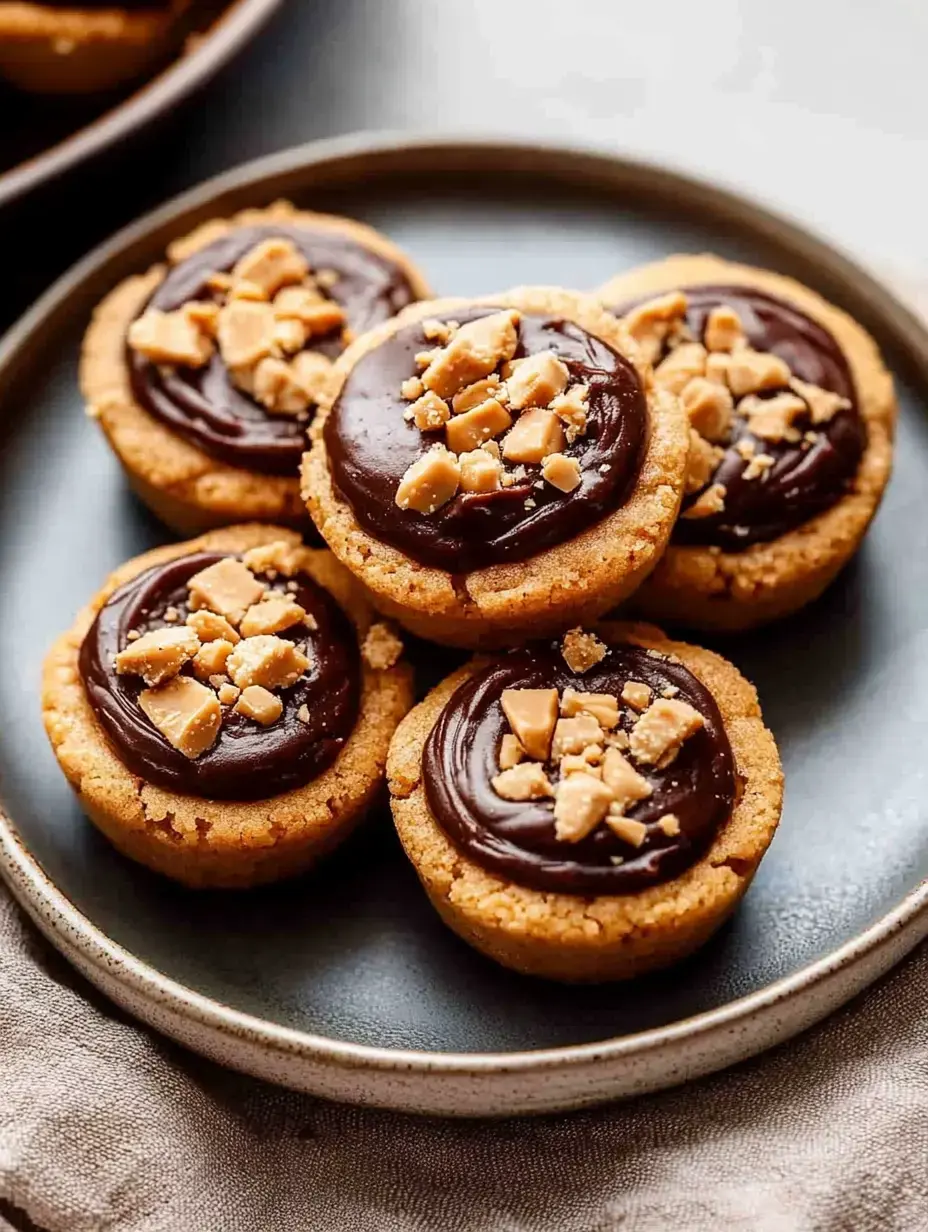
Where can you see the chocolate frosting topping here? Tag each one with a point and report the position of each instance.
(247, 761)
(517, 840)
(370, 447)
(806, 479)
(202, 404)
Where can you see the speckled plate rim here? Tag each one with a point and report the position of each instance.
(216, 46)
(462, 1084)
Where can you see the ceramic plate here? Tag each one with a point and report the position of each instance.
(345, 983)
(52, 134)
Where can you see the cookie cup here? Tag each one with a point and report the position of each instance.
(572, 582)
(203, 842)
(79, 50)
(187, 488)
(576, 938)
(705, 587)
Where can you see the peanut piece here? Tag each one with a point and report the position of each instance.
(532, 715)
(527, 781)
(662, 729)
(724, 331)
(680, 367)
(535, 434)
(210, 660)
(270, 661)
(211, 628)
(158, 655)
(480, 471)
(381, 648)
(226, 587)
(511, 752)
(574, 735)
(602, 706)
(259, 704)
(470, 429)
(271, 264)
(474, 352)
(561, 472)
(709, 407)
(537, 380)
(580, 804)
(636, 694)
(623, 780)
(749, 371)
(274, 614)
(582, 650)
(430, 482)
(186, 713)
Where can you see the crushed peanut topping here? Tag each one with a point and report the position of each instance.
(772, 419)
(523, 412)
(279, 556)
(626, 828)
(637, 695)
(709, 407)
(480, 470)
(476, 350)
(537, 380)
(273, 614)
(170, 338)
(470, 429)
(473, 395)
(159, 655)
(709, 502)
(430, 482)
(602, 706)
(221, 649)
(594, 779)
(210, 659)
(258, 703)
(526, 781)
(681, 366)
(561, 472)
(270, 661)
(381, 648)
(702, 462)
(660, 732)
(724, 331)
(228, 694)
(623, 780)
(720, 379)
(576, 734)
(582, 650)
(429, 412)
(511, 752)
(228, 588)
(581, 803)
(186, 712)
(532, 715)
(264, 314)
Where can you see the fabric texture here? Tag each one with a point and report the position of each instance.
(104, 1125)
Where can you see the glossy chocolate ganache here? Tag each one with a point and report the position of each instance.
(373, 442)
(807, 471)
(682, 800)
(204, 404)
(248, 759)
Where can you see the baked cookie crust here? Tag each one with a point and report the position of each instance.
(223, 843)
(188, 489)
(572, 582)
(79, 50)
(711, 589)
(588, 939)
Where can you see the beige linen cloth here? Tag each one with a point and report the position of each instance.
(104, 1125)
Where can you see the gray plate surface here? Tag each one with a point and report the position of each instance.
(354, 953)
